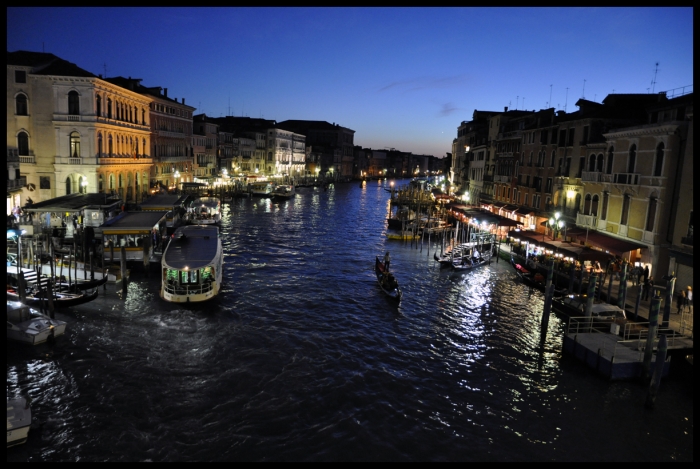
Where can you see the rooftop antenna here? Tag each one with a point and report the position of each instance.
(550, 96)
(105, 67)
(653, 82)
(524, 104)
(567, 98)
(517, 99)
(583, 93)
(229, 105)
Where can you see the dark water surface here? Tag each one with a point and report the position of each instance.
(302, 358)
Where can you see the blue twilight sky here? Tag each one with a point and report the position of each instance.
(400, 77)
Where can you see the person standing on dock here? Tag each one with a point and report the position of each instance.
(689, 299)
(646, 288)
(387, 261)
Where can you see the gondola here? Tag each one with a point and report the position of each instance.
(387, 281)
(60, 300)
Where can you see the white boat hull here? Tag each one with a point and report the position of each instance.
(19, 421)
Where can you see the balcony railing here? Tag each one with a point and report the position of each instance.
(13, 184)
(590, 221)
(630, 179)
(591, 176)
(140, 160)
(500, 178)
(27, 159)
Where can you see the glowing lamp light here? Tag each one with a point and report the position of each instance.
(570, 194)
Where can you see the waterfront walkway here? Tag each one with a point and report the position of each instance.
(680, 323)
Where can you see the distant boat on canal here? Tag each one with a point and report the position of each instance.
(205, 211)
(192, 265)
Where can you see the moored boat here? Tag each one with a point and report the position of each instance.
(283, 192)
(192, 265)
(29, 326)
(534, 279)
(19, 421)
(36, 294)
(475, 256)
(260, 188)
(387, 281)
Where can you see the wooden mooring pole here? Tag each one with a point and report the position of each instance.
(653, 328)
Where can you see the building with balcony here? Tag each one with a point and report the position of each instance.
(205, 140)
(332, 141)
(171, 134)
(287, 152)
(74, 131)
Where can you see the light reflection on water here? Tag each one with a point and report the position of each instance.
(302, 358)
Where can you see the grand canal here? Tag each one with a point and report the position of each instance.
(302, 358)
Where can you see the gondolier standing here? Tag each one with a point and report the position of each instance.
(387, 260)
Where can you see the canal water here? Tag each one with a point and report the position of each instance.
(302, 358)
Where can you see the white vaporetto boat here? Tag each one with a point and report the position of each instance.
(29, 326)
(261, 188)
(205, 211)
(192, 265)
(19, 421)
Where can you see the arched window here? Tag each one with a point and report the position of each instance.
(73, 103)
(21, 104)
(98, 105)
(632, 160)
(625, 209)
(659, 162)
(554, 155)
(82, 188)
(611, 154)
(651, 214)
(68, 185)
(99, 145)
(23, 144)
(591, 163)
(587, 205)
(110, 148)
(599, 166)
(100, 182)
(594, 206)
(75, 145)
(606, 199)
(111, 182)
(109, 108)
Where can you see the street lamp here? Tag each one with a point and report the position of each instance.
(556, 225)
(84, 185)
(177, 176)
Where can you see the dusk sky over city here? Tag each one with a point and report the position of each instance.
(402, 78)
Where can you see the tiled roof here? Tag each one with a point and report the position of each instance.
(46, 64)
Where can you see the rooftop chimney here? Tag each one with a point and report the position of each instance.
(505, 109)
(183, 100)
(165, 92)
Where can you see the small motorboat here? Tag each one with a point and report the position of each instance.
(19, 421)
(387, 281)
(29, 326)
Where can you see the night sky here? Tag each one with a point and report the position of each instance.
(400, 77)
